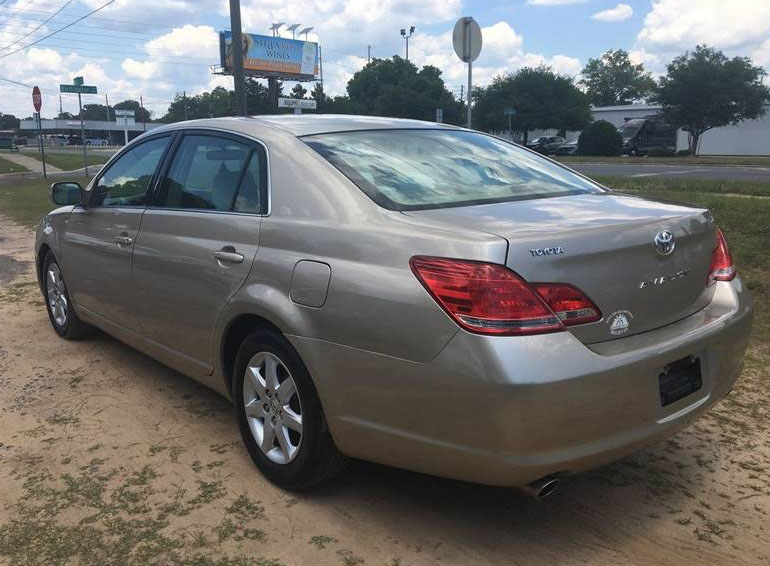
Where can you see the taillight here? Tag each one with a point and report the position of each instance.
(487, 298)
(722, 267)
(569, 303)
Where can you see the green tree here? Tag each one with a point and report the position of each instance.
(298, 91)
(540, 98)
(600, 138)
(394, 87)
(704, 90)
(95, 112)
(612, 79)
(317, 93)
(140, 114)
(8, 122)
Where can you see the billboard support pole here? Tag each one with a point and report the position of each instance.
(238, 77)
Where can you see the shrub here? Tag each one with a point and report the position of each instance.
(600, 138)
(683, 153)
(660, 152)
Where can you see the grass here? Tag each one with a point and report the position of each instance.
(655, 185)
(11, 167)
(728, 160)
(26, 201)
(70, 160)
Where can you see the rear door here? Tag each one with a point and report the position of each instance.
(99, 239)
(198, 240)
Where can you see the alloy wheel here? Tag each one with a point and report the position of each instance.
(273, 407)
(57, 296)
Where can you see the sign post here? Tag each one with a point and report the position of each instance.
(466, 39)
(37, 102)
(78, 87)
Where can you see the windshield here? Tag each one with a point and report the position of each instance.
(629, 128)
(419, 169)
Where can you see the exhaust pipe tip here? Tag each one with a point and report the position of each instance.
(541, 488)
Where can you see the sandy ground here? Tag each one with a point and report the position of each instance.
(107, 457)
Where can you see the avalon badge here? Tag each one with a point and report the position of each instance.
(664, 242)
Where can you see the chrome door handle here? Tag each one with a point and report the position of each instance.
(228, 257)
(124, 240)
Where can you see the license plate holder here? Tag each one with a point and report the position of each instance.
(680, 379)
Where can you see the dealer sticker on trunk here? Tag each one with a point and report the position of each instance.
(620, 322)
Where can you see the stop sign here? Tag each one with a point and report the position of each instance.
(37, 99)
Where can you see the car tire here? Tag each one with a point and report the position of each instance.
(268, 409)
(58, 303)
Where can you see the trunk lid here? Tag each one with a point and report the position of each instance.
(604, 244)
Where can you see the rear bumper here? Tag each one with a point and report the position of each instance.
(510, 410)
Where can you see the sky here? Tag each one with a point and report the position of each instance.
(156, 48)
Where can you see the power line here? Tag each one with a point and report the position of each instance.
(38, 27)
(103, 19)
(58, 30)
(16, 11)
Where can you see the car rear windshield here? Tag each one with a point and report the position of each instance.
(426, 168)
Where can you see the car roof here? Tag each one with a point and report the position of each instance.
(309, 124)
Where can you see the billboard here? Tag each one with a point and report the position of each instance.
(268, 56)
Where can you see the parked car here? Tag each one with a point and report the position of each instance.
(546, 144)
(96, 141)
(568, 148)
(359, 287)
(641, 135)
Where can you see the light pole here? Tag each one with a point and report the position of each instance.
(305, 31)
(293, 29)
(406, 37)
(275, 27)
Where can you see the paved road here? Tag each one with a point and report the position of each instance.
(714, 172)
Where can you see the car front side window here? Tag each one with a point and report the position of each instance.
(214, 173)
(127, 180)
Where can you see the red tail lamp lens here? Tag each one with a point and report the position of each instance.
(485, 298)
(722, 266)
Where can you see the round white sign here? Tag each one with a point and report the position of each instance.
(466, 38)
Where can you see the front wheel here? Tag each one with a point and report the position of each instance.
(59, 305)
(280, 416)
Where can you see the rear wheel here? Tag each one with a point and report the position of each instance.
(60, 312)
(280, 416)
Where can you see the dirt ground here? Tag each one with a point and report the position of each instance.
(107, 457)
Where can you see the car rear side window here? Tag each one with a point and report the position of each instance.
(434, 168)
(214, 173)
(126, 181)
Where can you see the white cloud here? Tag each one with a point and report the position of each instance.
(140, 69)
(555, 2)
(674, 26)
(684, 23)
(616, 14)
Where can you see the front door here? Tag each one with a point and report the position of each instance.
(198, 241)
(97, 244)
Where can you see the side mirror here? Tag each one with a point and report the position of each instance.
(64, 194)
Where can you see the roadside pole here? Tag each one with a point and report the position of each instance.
(40, 141)
(466, 40)
(238, 78)
(83, 133)
(37, 102)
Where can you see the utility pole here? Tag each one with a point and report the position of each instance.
(237, 44)
(462, 92)
(61, 111)
(107, 104)
(144, 114)
(321, 64)
(184, 98)
(368, 53)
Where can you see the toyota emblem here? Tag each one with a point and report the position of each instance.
(664, 242)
